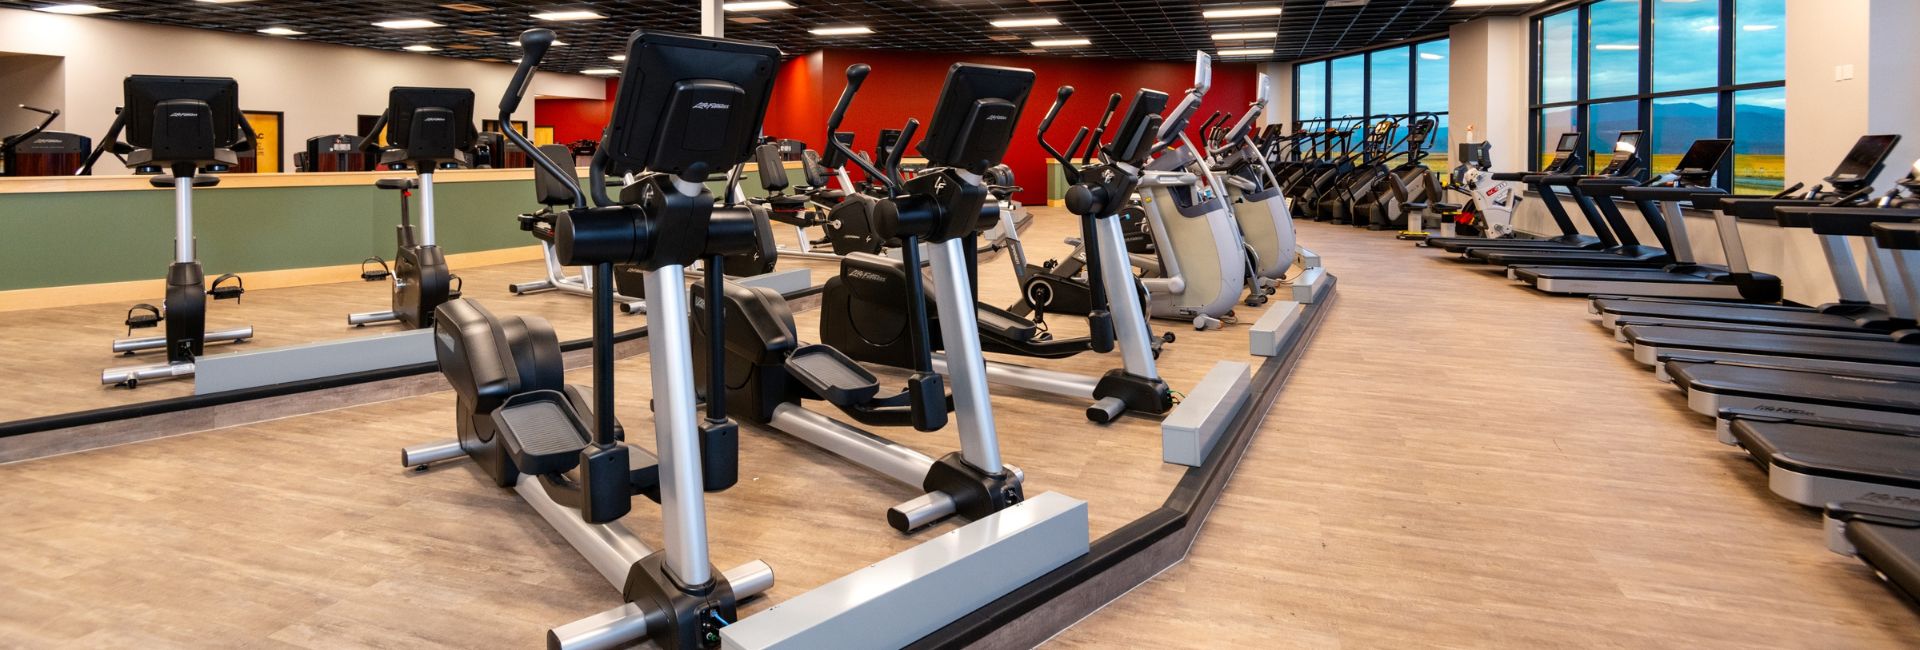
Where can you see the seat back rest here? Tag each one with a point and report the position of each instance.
(773, 170)
(464, 344)
(810, 165)
(550, 190)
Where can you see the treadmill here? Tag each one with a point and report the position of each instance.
(1715, 389)
(1855, 311)
(1898, 352)
(1693, 175)
(1567, 159)
(1625, 163)
(1817, 462)
(1884, 536)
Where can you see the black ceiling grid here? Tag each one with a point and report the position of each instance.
(1157, 30)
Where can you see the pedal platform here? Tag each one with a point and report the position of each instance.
(833, 376)
(143, 316)
(541, 432)
(220, 290)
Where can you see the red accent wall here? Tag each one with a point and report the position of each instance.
(575, 119)
(905, 84)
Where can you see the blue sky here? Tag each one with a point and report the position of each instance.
(1685, 42)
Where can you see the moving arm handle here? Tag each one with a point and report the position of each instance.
(1079, 137)
(1113, 104)
(1066, 161)
(856, 75)
(534, 44)
(899, 148)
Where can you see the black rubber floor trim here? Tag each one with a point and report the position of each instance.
(190, 402)
(1198, 489)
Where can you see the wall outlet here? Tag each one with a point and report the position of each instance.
(1843, 72)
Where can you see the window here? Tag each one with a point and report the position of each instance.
(1398, 83)
(1605, 66)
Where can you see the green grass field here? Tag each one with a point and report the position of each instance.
(1752, 173)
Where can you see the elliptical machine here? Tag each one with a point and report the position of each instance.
(177, 128)
(39, 152)
(428, 129)
(767, 372)
(565, 456)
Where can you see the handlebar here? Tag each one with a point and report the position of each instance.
(900, 147)
(534, 43)
(1113, 104)
(1066, 161)
(856, 75)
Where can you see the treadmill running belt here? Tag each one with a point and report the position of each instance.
(1892, 550)
(1593, 274)
(1845, 454)
(1730, 314)
(1669, 338)
(1569, 258)
(1812, 387)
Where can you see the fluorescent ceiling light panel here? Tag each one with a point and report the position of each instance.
(766, 5)
(281, 31)
(1244, 36)
(75, 10)
(849, 30)
(421, 48)
(1009, 23)
(407, 23)
(580, 14)
(1062, 42)
(1241, 12)
(1491, 3)
(618, 57)
(1251, 51)
(601, 71)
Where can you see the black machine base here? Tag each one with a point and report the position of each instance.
(681, 616)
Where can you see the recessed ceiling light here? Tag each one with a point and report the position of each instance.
(1491, 3)
(407, 23)
(601, 71)
(579, 14)
(1062, 42)
(1251, 51)
(757, 5)
(1009, 23)
(849, 30)
(1243, 36)
(1241, 12)
(281, 31)
(618, 57)
(421, 48)
(1616, 47)
(75, 10)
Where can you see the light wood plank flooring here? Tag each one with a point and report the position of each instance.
(1464, 463)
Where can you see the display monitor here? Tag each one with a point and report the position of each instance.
(404, 102)
(1704, 156)
(973, 120)
(689, 105)
(1569, 141)
(144, 93)
(1865, 159)
(1135, 135)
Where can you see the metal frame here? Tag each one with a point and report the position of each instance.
(1724, 91)
(1412, 48)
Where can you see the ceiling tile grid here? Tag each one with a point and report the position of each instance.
(1158, 30)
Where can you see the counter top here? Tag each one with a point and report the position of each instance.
(129, 182)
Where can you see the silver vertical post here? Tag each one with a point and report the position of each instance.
(1729, 226)
(966, 368)
(1677, 232)
(426, 234)
(1894, 266)
(676, 425)
(1846, 276)
(183, 219)
(1123, 300)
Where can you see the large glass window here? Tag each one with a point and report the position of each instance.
(1400, 83)
(1349, 87)
(1613, 63)
(1686, 45)
(1760, 140)
(1760, 47)
(1688, 92)
(1559, 56)
(1311, 95)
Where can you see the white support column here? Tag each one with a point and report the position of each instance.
(713, 18)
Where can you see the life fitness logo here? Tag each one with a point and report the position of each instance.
(711, 106)
(183, 114)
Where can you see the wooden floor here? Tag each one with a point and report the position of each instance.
(304, 532)
(1462, 463)
(1422, 482)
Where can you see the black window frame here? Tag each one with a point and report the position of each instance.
(1412, 48)
(1724, 91)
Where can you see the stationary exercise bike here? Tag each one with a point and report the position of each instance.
(39, 152)
(428, 129)
(177, 128)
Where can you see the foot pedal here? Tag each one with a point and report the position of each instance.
(223, 291)
(374, 274)
(143, 316)
(831, 375)
(542, 433)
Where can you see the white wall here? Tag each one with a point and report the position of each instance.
(1487, 87)
(1279, 94)
(31, 80)
(321, 88)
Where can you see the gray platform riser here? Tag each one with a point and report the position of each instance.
(1818, 491)
(1585, 287)
(1712, 404)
